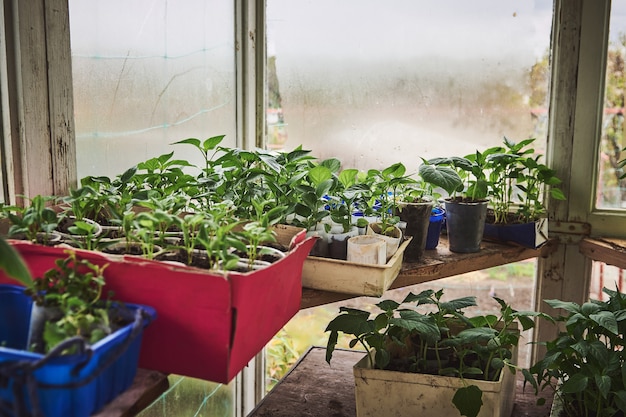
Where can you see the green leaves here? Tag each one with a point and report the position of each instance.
(458, 304)
(74, 288)
(320, 174)
(574, 384)
(510, 176)
(565, 305)
(347, 177)
(206, 145)
(440, 339)
(587, 357)
(441, 176)
(12, 264)
(394, 171)
(468, 400)
(607, 320)
(32, 219)
(424, 325)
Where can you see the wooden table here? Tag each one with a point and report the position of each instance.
(312, 388)
(147, 387)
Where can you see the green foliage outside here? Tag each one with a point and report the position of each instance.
(612, 182)
(306, 329)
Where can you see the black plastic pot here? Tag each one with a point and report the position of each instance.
(417, 218)
(465, 223)
(338, 245)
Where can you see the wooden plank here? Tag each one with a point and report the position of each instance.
(32, 98)
(147, 387)
(8, 131)
(609, 251)
(39, 99)
(313, 388)
(551, 283)
(61, 96)
(441, 263)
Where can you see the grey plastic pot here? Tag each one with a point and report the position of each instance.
(465, 223)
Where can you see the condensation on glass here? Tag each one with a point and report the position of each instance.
(374, 83)
(611, 187)
(148, 73)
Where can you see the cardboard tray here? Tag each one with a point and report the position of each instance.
(352, 278)
(210, 324)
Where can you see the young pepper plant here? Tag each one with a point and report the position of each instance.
(585, 365)
(309, 210)
(472, 169)
(386, 184)
(74, 286)
(347, 192)
(33, 219)
(401, 339)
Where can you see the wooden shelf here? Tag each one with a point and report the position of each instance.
(607, 250)
(441, 263)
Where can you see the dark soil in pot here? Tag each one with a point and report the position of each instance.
(198, 259)
(511, 218)
(42, 238)
(123, 250)
(267, 257)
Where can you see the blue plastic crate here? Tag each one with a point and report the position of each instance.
(75, 385)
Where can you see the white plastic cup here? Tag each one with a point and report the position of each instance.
(367, 249)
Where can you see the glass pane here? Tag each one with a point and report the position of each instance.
(149, 76)
(375, 84)
(193, 397)
(605, 276)
(611, 191)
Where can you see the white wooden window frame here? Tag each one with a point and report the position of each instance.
(38, 148)
(579, 48)
(39, 153)
(250, 40)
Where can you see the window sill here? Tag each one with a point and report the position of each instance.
(611, 251)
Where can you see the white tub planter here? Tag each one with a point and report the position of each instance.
(557, 406)
(399, 394)
(392, 242)
(367, 249)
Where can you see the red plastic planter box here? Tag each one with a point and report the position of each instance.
(210, 325)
